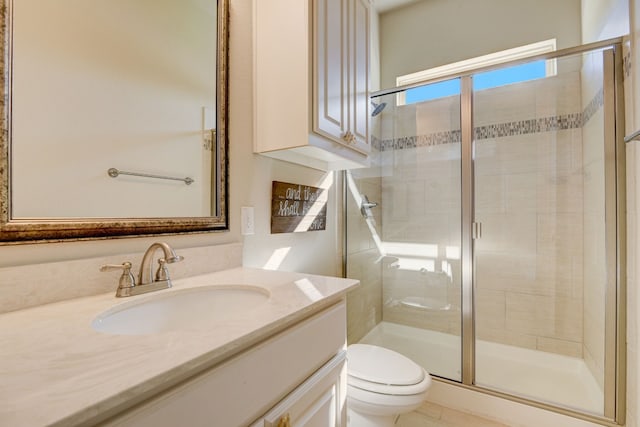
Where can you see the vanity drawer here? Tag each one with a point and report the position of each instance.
(238, 391)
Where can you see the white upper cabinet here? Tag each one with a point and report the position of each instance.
(361, 48)
(311, 95)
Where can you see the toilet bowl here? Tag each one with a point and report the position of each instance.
(382, 384)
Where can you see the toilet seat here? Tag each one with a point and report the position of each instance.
(379, 370)
(380, 365)
(392, 390)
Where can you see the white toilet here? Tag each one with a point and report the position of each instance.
(382, 384)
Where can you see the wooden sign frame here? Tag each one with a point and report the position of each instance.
(297, 208)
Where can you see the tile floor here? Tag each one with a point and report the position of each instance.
(432, 415)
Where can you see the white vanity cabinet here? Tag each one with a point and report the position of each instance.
(297, 375)
(312, 81)
(318, 402)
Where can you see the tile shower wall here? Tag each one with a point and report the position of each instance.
(421, 211)
(529, 197)
(364, 303)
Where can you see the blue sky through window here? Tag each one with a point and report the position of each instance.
(433, 91)
(505, 76)
(486, 80)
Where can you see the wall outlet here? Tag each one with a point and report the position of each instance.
(246, 219)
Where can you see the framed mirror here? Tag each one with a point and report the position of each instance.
(114, 118)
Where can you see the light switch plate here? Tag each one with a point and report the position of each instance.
(246, 220)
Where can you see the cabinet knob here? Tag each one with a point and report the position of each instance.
(349, 137)
(285, 421)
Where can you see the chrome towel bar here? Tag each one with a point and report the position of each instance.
(113, 173)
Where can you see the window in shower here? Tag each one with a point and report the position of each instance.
(485, 80)
(432, 91)
(509, 75)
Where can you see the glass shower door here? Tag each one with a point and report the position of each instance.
(411, 241)
(489, 236)
(540, 263)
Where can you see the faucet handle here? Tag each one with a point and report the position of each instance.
(127, 280)
(163, 272)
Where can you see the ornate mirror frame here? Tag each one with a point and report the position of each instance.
(14, 231)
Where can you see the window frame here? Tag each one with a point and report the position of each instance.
(495, 58)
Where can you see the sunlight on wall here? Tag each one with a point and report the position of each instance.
(276, 258)
(353, 189)
(370, 221)
(452, 252)
(409, 256)
(420, 256)
(411, 249)
(316, 207)
(416, 264)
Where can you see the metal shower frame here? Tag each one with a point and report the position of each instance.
(615, 234)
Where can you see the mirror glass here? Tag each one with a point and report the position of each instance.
(116, 117)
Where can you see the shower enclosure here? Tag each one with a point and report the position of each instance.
(494, 256)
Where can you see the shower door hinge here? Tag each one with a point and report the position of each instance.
(476, 230)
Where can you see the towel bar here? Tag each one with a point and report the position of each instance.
(113, 173)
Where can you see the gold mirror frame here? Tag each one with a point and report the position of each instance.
(54, 229)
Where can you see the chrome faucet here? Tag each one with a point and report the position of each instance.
(147, 282)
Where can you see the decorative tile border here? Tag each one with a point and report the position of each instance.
(525, 127)
(596, 103)
(499, 130)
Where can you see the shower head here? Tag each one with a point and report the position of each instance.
(377, 108)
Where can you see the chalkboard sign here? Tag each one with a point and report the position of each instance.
(297, 208)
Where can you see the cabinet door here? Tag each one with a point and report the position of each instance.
(318, 402)
(359, 35)
(330, 69)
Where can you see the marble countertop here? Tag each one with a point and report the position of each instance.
(56, 370)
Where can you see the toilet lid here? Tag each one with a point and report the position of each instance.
(380, 365)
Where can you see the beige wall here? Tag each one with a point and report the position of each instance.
(250, 179)
(604, 19)
(432, 33)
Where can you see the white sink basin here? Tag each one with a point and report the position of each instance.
(181, 310)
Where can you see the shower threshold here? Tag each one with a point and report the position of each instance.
(532, 374)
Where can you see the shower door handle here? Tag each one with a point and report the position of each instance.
(476, 230)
